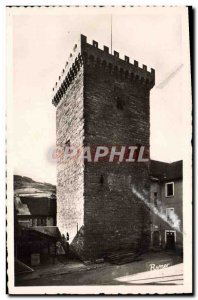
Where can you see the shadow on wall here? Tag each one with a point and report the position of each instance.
(99, 248)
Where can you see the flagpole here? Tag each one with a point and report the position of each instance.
(111, 34)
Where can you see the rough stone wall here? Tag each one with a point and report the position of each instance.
(115, 217)
(70, 178)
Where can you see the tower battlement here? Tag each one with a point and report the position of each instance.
(91, 54)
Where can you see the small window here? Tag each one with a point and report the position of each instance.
(34, 222)
(31, 223)
(43, 222)
(169, 213)
(39, 222)
(169, 189)
(101, 179)
(120, 104)
(155, 199)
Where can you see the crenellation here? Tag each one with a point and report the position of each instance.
(144, 67)
(116, 54)
(83, 39)
(95, 44)
(126, 58)
(106, 49)
(71, 70)
(153, 74)
(92, 55)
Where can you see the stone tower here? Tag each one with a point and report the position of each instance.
(102, 99)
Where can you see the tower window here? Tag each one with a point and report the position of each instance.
(101, 179)
(120, 104)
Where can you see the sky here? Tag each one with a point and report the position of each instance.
(42, 41)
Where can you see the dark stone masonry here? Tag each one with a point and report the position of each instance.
(102, 100)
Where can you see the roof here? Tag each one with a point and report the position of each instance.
(166, 171)
(37, 206)
(51, 231)
(33, 195)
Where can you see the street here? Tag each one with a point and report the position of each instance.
(160, 268)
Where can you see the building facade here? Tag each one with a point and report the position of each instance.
(102, 100)
(36, 233)
(167, 199)
(33, 211)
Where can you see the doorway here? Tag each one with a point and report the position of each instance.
(170, 239)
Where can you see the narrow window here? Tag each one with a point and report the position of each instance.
(101, 179)
(43, 222)
(155, 199)
(34, 222)
(170, 213)
(120, 104)
(169, 189)
(119, 95)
